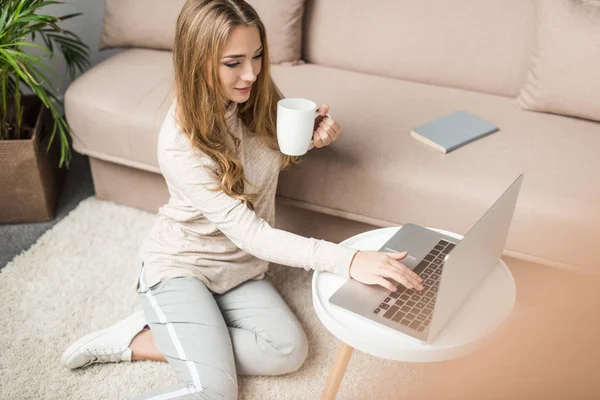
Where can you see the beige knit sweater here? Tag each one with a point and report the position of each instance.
(216, 238)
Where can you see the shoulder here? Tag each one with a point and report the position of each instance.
(174, 146)
(171, 135)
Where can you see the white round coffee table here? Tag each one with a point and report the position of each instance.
(475, 323)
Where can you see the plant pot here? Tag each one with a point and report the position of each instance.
(30, 180)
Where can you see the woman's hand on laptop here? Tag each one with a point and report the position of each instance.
(373, 267)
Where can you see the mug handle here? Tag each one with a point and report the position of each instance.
(311, 145)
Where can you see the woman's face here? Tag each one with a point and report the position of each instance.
(241, 63)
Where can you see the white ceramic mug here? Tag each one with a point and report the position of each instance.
(295, 125)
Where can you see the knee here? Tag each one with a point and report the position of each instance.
(292, 351)
(211, 383)
(300, 352)
(224, 392)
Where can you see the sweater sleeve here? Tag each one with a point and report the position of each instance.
(188, 173)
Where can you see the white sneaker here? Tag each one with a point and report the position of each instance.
(106, 345)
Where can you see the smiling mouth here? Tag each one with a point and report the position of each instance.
(246, 88)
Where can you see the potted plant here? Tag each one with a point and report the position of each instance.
(34, 135)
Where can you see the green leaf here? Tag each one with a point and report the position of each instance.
(42, 19)
(19, 8)
(26, 58)
(10, 59)
(11, 85)
(69, 16)
(48, 42)
(3, 16)
(39, 75)
(26, 44)
(77, 38)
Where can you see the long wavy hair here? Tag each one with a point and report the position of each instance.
(203, 27)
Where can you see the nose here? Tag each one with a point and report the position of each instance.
(249, 74)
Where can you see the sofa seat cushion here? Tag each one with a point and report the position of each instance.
(376, 170)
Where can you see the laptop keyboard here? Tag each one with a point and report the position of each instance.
(413, 308)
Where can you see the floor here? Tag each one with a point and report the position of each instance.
(15, 238)
(550, 345)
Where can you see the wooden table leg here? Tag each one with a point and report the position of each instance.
(337, 371)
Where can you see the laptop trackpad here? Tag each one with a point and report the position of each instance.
(415, 239)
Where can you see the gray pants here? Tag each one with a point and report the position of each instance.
(209, 338)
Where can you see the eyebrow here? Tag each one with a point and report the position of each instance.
(242, 55)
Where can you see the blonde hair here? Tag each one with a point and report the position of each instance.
(203, 27)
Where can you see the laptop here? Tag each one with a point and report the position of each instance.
(451, 270)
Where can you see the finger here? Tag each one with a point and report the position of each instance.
(330, 130)
(329, 134)
(398, 255)
(328, 121)
(399, 277)
(385, 283)
(317, 140)
(331, 126)
(414, 282)
(409, 272)
(325, 138)
(324, 109)
(337, 128)
(317, 124)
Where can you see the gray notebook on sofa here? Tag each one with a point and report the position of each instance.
(453, 131)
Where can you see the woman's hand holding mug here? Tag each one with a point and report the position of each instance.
(301, 126)
(326, 130)
(372, 267)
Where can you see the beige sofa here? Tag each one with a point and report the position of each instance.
(384, 67)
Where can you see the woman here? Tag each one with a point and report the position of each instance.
(207, 308)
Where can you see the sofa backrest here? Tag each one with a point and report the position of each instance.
(152, 23)
(476, 45)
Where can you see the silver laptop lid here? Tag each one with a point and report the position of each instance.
(473, 258)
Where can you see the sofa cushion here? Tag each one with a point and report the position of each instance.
(475, 45)
(140, 23)
(151, 24)
(376, 173)
(564, 76)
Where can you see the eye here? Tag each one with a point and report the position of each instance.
(235, 64)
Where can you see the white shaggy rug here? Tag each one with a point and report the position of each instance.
(78, 277)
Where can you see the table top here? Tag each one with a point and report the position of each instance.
(479, 319)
